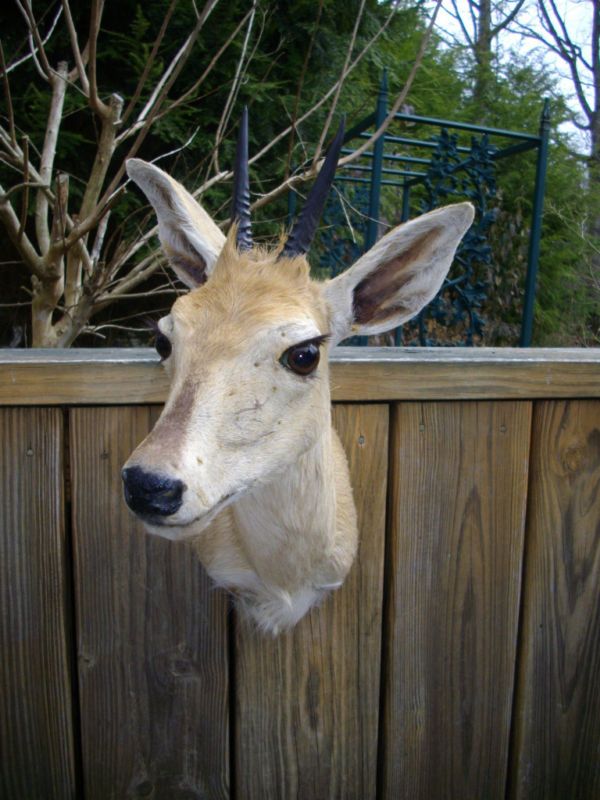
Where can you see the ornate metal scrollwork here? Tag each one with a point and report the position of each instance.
(455, 315)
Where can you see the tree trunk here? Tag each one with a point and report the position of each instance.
(594, 162)
(483, 59)
(46, 295)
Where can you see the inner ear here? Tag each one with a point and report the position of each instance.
(187, 263)
(374, 296)
(189, 269)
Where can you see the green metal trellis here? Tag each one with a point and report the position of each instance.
(378, 168)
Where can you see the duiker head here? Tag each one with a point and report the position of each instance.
(246, 349)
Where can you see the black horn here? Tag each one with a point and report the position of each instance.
(304, 229)
(240, 204)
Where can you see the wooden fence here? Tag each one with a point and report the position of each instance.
(460, 661)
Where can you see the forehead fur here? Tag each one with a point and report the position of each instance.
(253, 289)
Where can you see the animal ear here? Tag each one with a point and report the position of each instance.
(189, 237)
(399, 275)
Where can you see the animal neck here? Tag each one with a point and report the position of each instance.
(287, 527)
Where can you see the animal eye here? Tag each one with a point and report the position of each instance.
(162, 345)
(302, 358)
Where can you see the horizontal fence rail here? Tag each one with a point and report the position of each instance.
(461, 658)
(81, 377)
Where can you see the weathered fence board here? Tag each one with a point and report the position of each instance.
(457, 511)
(557, 746)
(307, 703)
(400, 686)
(36, 738)
(152, 641)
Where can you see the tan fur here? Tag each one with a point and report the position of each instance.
(268, 505)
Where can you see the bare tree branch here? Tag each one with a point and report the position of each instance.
(25, 199)
(58, 81)
(15, 64)
(503, 24)
(528, 32)
(235, 85)
(399, 101)
(9, 104)
(300, 87)
(59, 216)
(150, 61)
(18, 187)
(22, 243)
(82, 229)
(106, 146)
(143, 270)
(74, 279)
(36, 43)
(472, 8)
(189, 93)
(170, 74)
(566, 49)
(149, 116)
(83, 79)
(226, 175)
(99, 241)
(95, 18)
(296, 179)
(143, 239)
(336, 96)
(20, 161)
(458, 16)
(48, 290)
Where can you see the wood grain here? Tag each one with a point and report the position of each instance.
(557, 746)
(153, 667)
(458, 478)
(36, 737)
(307, 702)
(129, 376)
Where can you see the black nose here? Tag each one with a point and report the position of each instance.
(151, 494)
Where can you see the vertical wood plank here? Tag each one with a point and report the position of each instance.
(307, 702)
(557, 731)
(37, 759)
(457, 511)
(152, 635)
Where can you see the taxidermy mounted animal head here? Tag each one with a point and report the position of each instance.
(243, 461)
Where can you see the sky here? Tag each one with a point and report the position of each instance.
(578, 14)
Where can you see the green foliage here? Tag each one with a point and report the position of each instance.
(297, 54)
(564, 307)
